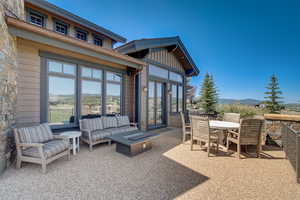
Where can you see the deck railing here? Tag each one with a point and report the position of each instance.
(291, 146)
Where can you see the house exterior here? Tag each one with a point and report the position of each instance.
(162, 82)
(60, 67)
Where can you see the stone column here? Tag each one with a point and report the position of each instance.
(8, 76)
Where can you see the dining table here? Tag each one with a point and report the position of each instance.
(223, 126)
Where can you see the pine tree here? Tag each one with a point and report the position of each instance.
(272, 102)
(209, 97)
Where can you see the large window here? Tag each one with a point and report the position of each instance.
(61, 83)
(91, 91)
(74, 91)
(113, 93)
(158, 72)
(176, 97)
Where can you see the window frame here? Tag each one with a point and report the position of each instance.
(121, 83)
(97, 37)
(44, 88)
(56, 21)
(82, 31)
(30, 11)
(178, 85)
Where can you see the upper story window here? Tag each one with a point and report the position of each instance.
(60, 27)
(36, 18)
(176, 77)
(158, 72)
(98, 41)
(81, 34)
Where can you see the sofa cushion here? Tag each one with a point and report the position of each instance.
(109, 122)
(50, 149)
(123, 121)
(35, 134)
(115, 131)
(97, 135)
(92, 124)
(130, 128)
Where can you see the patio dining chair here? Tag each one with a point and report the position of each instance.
(186, 127)
(200, 131)
(249, 133)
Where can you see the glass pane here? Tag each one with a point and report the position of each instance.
(113, 77)
(55, 66)
(86, 72)
(113, 98)
(61, 100)
(174, 98)
(69, 69)
(90, 97)
(157, 71)
(159, 102)
(151, 104)
(176, 77)
(180, 98)
(97, 74)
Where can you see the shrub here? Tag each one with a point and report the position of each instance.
(246, 111)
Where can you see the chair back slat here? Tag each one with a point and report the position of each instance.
(199, 126)
(232, 117)
(251, 128)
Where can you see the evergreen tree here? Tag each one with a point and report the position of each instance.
(209, 97)
(272, 102)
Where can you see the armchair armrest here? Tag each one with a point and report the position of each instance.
(30, 145)
(39, 146)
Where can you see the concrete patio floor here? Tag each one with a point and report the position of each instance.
(168, 171)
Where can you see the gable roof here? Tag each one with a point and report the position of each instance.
(70, 16)
(173, 44)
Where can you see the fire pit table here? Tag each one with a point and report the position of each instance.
(133, 142)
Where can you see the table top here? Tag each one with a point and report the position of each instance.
(223, 124)
(71, 134)
(133, 137)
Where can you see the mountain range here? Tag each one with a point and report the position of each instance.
(240, 101)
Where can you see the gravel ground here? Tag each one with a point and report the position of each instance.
(168, 171)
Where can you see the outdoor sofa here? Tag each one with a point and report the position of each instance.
(37, 144)
(96, 130)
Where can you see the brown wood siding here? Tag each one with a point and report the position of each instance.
(130, 97)
(162, 56)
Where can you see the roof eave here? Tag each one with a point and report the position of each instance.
(68, 15)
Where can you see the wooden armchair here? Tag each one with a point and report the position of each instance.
(186, 127)
(202, 132)
(249, 134)
(38, 145)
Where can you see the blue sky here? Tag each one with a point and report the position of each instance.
(240, 42)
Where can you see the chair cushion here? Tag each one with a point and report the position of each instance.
(50, 149)
(35, 134)
(92, 124)
(123, 121)
(109, 122)
(98, 135)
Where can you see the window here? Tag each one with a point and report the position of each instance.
(60, 27)
(91, 91)
(98, 41)
(61, 92)
(176, 98)
(81, 34)
(113, 93)
(175, 77)
(37, 19)
(158, 72)
(73, 90)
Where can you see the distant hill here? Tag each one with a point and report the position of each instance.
(240, 101)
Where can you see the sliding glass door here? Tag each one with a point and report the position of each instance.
(156, 104)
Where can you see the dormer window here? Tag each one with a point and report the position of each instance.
(98, 41)
(81, 34)
(36, 18)
(60, 26)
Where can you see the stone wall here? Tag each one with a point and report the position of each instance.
(8, 74)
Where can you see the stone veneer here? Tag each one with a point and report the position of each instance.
(8, 71)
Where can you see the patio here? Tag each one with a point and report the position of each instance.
(170, 170)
